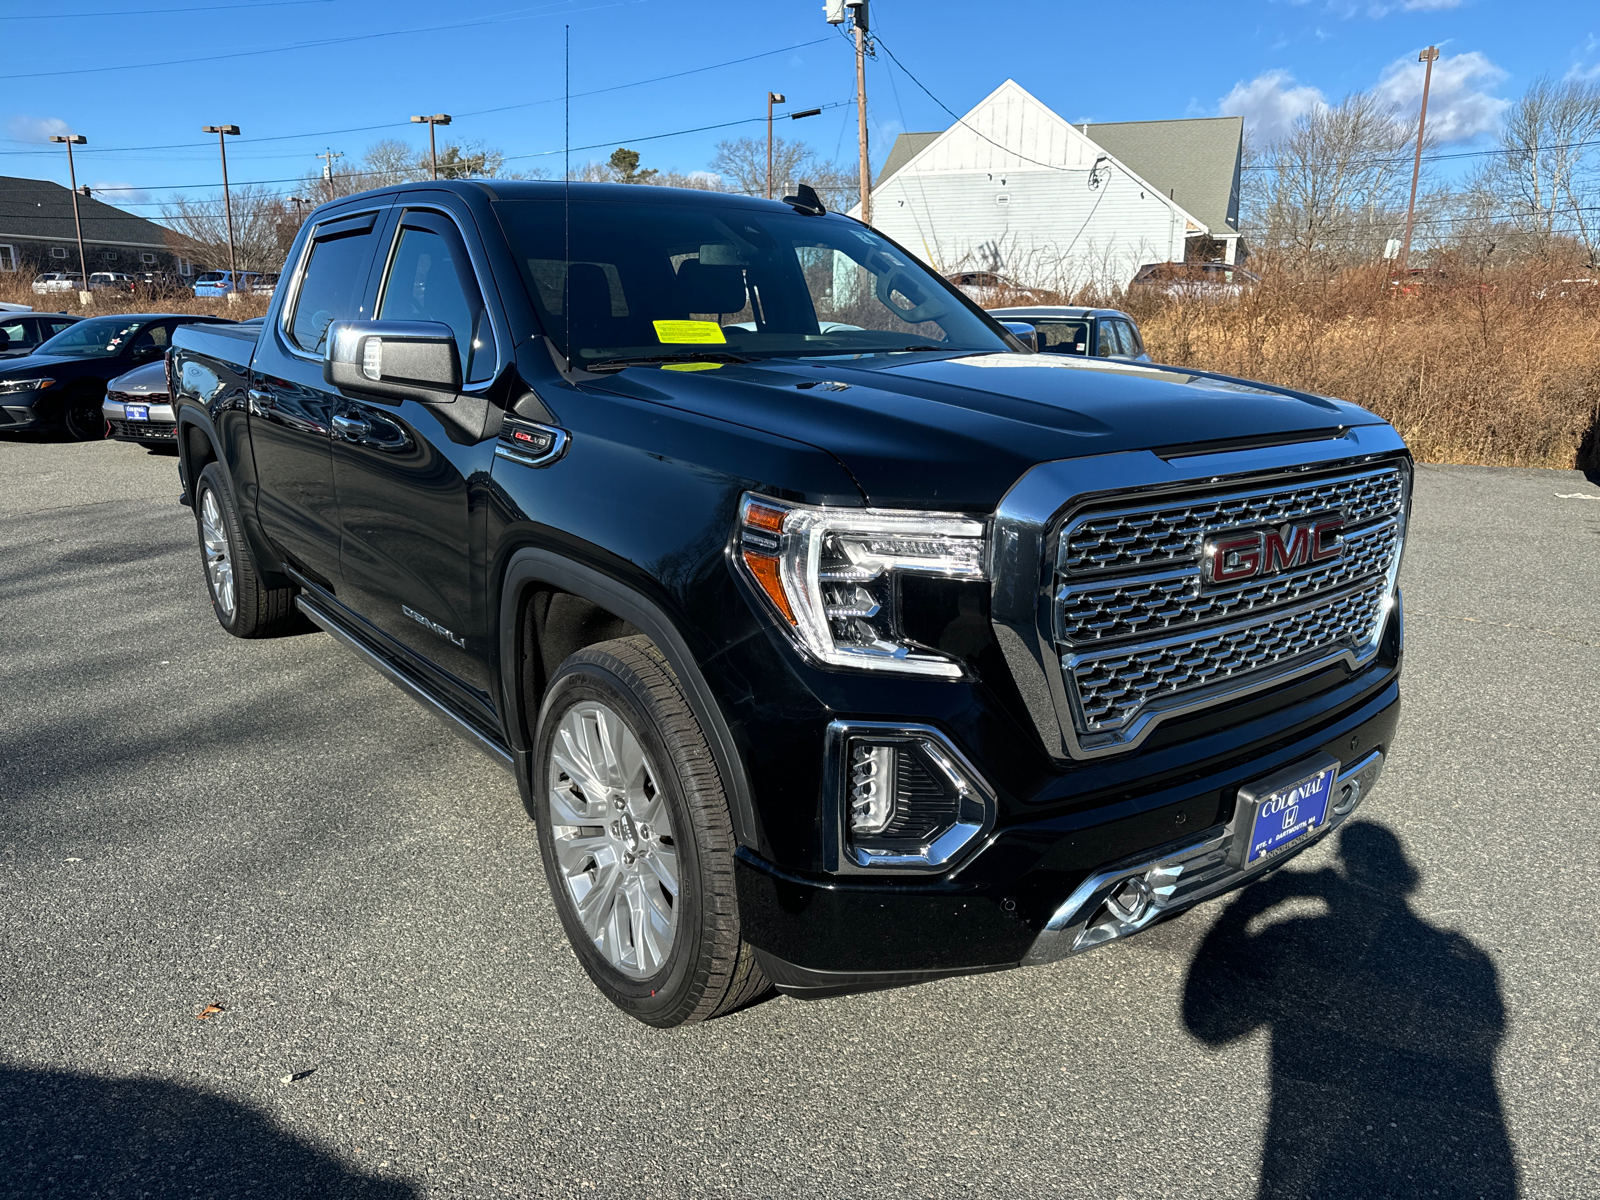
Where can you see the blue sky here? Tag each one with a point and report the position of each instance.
(139, 82)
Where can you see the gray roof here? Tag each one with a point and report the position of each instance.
(39, 210)
(906, 147)
(1197, 161)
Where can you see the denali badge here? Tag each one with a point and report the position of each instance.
(434, 626)
(1231, 557)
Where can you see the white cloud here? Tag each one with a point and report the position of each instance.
(102, 190)
(35, 129)
(1430, 5)
(1270, 103)
(1459, 104)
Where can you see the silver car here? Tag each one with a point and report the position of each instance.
(1084, 332)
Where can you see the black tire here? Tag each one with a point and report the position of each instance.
(252, 611)
(709, 970)
(81, 417)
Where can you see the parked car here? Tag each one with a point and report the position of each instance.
(114, 281)
(62, 383)
(23, 333)
(137, 407)
(265, 285)
(220, 283)
(985, 287)
(1080, 332)
(830, 659)
(57, 281)
(1417, 281)
(1194, 280)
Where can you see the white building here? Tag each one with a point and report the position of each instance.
(1014, 189)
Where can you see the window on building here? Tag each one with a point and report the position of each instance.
(58, 251)
(8, 258)
(147, 258)
(185, 267)
(108, 256)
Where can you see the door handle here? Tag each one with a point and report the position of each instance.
(259, 400)
(353, 428)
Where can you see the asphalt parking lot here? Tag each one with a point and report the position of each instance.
(190, 821)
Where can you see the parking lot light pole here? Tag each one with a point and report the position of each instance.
(227, 204)
(430, 122)
(772, 98)
(71, 140)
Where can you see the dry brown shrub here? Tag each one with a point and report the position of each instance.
(1498, 368)
(17, 288)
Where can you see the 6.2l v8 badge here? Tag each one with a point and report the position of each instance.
(1244, 554)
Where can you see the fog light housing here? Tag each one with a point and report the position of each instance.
(908, 799)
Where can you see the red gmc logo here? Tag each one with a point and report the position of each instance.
(1231, 557)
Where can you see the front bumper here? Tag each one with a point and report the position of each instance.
(18, 412)
(1036, 892)
(160, 429)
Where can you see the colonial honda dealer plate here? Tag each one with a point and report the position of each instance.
(1283, 809)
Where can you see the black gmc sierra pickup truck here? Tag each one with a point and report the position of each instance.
(834, 641)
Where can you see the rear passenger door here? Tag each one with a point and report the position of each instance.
(410, 475)
(292, 409)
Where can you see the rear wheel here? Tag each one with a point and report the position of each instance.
(243, 606)
(636, 838)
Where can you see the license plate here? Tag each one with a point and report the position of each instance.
(1276, 813)
(137, 412)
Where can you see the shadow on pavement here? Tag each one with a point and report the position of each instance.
(71, 1135)
(1384, 1032)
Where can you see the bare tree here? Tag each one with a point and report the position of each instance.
(742, 164)
(390, 161)
(1546, 178)
(1333, 189)
(263, 227)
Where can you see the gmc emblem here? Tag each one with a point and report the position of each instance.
(1231, 557)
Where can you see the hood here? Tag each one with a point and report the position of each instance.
(148, 380)
(31, 364)
(956, 433)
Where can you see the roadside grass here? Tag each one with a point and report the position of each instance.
(1497, 369)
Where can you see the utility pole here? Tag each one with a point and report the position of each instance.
(222, 132)
(327, 169)
(1429, 56)
(71, 140)
(857, 10)
(430, 122)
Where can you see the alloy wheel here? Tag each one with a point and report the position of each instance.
(85, 422)
(613, 839)
(218, 553)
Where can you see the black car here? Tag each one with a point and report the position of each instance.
(23, 333)
(833, 640)
(62, 383)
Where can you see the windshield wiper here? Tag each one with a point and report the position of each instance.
(709, 356)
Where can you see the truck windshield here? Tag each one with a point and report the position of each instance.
(99, 337)
(659, 282)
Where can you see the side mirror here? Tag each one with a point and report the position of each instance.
(1024, 333)
(400, 360)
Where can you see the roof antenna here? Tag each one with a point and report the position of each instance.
(566, 214)
(806, 200)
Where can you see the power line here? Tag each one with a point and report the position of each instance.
(1374, 162)
(150, 12)
(325, 133)
(515, 14)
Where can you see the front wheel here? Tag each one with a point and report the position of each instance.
(82, 418)
(636, 838)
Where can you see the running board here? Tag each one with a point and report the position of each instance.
(409, 684)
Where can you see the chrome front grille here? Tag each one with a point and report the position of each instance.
(1167, 532)
(1140, 634)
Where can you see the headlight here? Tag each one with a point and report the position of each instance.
(831, 576)
(8, 386)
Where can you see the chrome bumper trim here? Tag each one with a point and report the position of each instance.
(1178, 876)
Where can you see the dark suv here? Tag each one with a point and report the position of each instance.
(833, 641)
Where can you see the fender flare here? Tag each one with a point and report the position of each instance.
(532, 566)
(188, 420)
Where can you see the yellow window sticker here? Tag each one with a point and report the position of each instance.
(691, 366)
(689, 333)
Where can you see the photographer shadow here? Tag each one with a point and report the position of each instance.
(1384, 1032)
